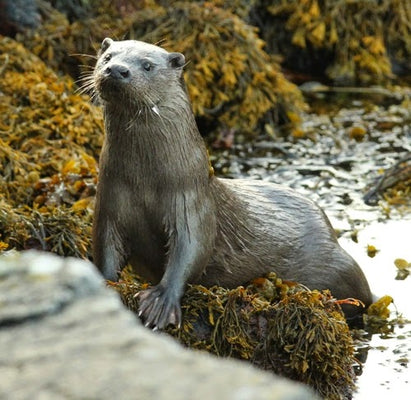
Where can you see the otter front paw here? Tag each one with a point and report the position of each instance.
(158, 308)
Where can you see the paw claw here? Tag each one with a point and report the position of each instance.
(159, 308)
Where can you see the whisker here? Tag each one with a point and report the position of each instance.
(86, 73)
(83, 55)
(153, 108)
(133, 119)
(88, 67)
(85, 87)
(85, 77)
(161, 42)
(84, 81)
(94, 98)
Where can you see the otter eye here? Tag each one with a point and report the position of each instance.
(107, 58)
(147, 65)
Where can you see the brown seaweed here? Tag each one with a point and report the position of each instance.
(233, 83)
(349, 41)
(50, 138)
(394, 185)
(278, 326)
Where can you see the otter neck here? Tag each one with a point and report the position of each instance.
(161, 141)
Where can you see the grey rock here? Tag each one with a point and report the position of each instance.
(64, 335)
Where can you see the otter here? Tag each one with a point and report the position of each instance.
(160, 209)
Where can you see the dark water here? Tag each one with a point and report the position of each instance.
(336, 171)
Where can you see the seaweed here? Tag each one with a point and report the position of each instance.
(348, 41)
(230, 76)
(50, 138)
(377, 317)
(233, 83)
(276, 325)
(393, 186)
(403, 268)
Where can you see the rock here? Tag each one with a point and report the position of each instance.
(17, 15)
(64, 335)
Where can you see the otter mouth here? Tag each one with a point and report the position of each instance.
(114, 90)
(111, 80)
(108, 88)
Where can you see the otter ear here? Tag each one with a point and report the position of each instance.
(105, 44)
(176, 60)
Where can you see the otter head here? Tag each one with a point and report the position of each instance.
(137, 73)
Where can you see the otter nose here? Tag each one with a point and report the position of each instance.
(117, 71)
